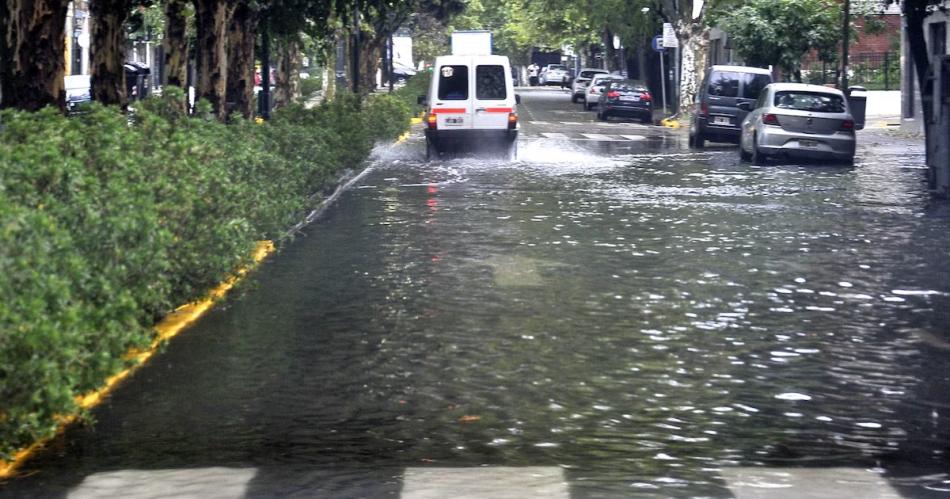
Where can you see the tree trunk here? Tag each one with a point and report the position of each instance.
(242, 33)
(610, 54)
(32, 54)
(369, 63)
(329, 75)
(108, 51)
(212, 17)
(175, 43)
(694, 49)
(288, 74)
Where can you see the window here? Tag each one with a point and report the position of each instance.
(810, 101)
(490, 82)
(761, 101)
(724, 84)
(589, 74)
(938, 38)
(754, 83)
(453, 83)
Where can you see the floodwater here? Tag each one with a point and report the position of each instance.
(648, 320)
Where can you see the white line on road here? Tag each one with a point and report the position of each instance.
(495, 482)
(789, 483)
(554, 135)
(633, 137)
(598, 136)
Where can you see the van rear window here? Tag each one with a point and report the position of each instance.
(726, 84)
(490, 83)
(453, 82)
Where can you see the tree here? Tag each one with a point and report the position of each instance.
(241, 36)
(108, 51)
(781, 32)
(175, 42)
(211, 20)
(32, 50)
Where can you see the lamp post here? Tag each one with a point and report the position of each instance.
(845, 35)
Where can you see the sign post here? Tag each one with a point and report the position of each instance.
(658, 46)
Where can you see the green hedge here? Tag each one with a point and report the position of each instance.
(107, 224)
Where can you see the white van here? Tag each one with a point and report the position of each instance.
(471, 101)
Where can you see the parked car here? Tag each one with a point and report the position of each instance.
(554, 74)
(798, 120)
(595, 87)
(78, 92)
(471, 101)
(625, 98)
(580, 83)
(716, 117)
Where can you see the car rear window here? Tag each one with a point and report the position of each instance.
(453, 82)
(590, 74)
(727, 84)
(815, 102)
(627, 86)
(562, 68)
(490, 82)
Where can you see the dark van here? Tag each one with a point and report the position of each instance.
(716, 117)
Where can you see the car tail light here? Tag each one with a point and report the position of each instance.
(613, 95)
(646, 97)
(847, 125)
(512, 121)
(703, 109)
(770, 119)
(432, 121)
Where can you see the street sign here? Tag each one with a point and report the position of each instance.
(658, 43)
(669, 37)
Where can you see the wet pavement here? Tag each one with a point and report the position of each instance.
(610, 315)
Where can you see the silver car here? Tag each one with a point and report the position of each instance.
(554, 74)
(798, 120)
(579, 86)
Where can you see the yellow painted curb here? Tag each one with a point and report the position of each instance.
(166, 329)
(415, 121)
(670, 123)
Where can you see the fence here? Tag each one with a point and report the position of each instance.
(874, 71)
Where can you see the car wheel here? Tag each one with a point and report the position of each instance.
(431, 151)
(647, 120)
(513, 150)
(699, 141)
(743, 156)
(602, 115)
(587, 106)
(573, 99)
(849, 161)
(756, 155)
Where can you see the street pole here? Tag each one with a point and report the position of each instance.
(389, 68)
(663, 81)
(356, 50)
(846, 32)
(265, 75)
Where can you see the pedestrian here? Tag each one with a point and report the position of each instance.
(533, 74)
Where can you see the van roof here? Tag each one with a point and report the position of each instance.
(470, 59)
(742, 69)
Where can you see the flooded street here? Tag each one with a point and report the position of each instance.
(613, 313)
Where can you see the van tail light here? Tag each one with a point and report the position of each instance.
(432, 121)
(847, 125)
(703, 110)
(770, 119)
(613, 95)
(646, 97)
(512, 121)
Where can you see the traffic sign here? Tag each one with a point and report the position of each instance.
(658, 43)
(669, 37)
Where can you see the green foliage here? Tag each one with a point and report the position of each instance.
(310, 86)
(105, 226)
(780, 32)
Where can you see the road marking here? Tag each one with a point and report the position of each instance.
(554, 135)
(194, 482)
(573, 123)
(496, 482)
(633, 137)
(598, 136)
(540, 122)
(788, 483)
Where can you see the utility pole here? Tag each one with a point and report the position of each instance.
(264, 101)
(389, 61)
(845, 35)
(356, 49)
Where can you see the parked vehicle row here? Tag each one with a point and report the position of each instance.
(741, 105)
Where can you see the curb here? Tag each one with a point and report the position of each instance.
(166, 329)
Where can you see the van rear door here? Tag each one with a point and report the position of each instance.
(493, 99)
(453, 100)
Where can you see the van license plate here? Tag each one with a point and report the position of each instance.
(721, 120)
(810, 144)
(454, 121)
